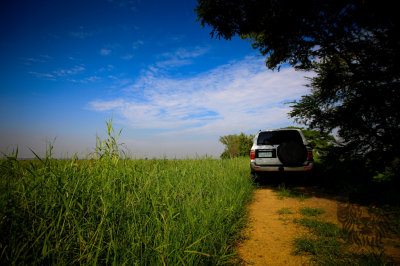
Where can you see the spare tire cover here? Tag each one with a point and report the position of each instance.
(292, 153)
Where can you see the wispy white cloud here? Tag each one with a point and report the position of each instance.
(83, 33)
(196, 52)
(100, 105)
(173, 62)
(106, 68)
(42, 75)
(86, 80)
(61, 73)
(39, 59)
(180, 57)
(239, 96)
(137, 44)
(71, 71)
(126, 4)
(127, 57)
(177, 38)
(105, 51)
(183, 53)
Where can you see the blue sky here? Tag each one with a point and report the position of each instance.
(66, 66)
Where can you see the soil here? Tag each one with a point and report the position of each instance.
(268, 239)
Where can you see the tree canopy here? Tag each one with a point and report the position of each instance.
(236, 145)
(303, 32)
(352, 46)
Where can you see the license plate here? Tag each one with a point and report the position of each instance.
(265, 154)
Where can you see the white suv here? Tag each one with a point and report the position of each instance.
(280, 150)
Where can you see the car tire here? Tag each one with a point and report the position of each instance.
(292, 153)
(254, 176)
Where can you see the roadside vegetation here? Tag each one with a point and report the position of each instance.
(329, 244)
(358, 179)
(116, 210)
(325, 243)
(236, 145)
(284, 192)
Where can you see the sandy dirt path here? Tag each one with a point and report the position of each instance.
(269, 236)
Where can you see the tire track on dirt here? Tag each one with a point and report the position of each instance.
(268, 239)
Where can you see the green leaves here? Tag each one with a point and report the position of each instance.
(137, 212)
(109, 148)
(236, 145)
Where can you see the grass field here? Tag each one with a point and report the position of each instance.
(146, 212)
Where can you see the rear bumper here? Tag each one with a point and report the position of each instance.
(280, 168)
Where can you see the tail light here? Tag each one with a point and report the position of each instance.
(309, 156)
(252, 155)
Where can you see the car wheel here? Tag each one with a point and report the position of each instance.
(292, 153)
(254, 176)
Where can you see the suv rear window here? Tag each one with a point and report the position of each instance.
(277, 137)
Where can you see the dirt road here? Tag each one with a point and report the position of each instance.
(269, 236)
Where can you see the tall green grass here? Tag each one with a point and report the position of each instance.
(108, 211)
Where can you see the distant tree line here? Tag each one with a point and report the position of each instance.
(236, 145)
